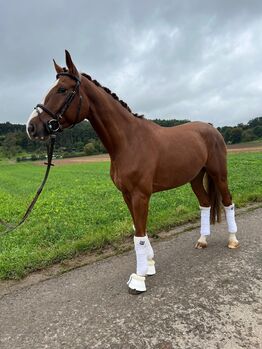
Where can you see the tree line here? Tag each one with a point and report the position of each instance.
(82, 139)
(242, 132)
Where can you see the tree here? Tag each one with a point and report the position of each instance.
(236, 135)
(170, 122)
(248, 135)
(9, 146)
(255, 122)
(226, 132)
(258, 131)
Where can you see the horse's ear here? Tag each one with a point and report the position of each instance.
(57, 67)
(70, 65)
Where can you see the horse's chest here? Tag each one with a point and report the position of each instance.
(116, 177)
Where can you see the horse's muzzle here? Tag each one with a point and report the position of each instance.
(37, 131)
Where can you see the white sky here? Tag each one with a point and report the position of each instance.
(200, 60)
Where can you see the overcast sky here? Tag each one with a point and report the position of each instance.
(200, 60)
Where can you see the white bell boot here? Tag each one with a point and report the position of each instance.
(232, 226)
(136, 284)
(204, 227)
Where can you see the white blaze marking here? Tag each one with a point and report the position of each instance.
(34, 112)
(32, 115)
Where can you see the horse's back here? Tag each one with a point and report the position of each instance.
(193, 134)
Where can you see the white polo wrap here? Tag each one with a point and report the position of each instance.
(141, 249)
(205, 220)
(230, 217)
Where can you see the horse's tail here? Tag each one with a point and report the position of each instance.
(215, 199)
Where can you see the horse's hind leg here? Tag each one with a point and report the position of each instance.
(229, 208)
(218, 173)
(205, 205)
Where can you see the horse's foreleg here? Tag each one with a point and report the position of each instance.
(128, 201)
(138, 206)
(150, 252)
(140, 211)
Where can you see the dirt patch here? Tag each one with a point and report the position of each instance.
(244, 149)
(80, 160)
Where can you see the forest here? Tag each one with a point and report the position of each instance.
(82, 139)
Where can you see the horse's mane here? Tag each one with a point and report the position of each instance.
(114, 95)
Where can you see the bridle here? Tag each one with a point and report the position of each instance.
(53, 126)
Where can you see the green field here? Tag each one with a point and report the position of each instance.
(81, 210)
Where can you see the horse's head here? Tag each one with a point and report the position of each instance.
(62, 107)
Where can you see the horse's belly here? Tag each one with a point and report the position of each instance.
(172, 173)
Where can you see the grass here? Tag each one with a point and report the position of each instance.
(81, 210)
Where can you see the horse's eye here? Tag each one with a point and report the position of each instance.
(61, 90)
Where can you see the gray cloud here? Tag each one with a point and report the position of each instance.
(184, 59)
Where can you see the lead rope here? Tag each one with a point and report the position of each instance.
(50, 150)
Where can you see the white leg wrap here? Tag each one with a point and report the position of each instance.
(150, 252)
(149, 249)
(205, 221)
(141, 255)
(230, 217)
(151, 269)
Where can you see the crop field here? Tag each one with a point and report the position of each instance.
(81, 210)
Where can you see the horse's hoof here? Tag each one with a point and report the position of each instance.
(199, 245)
(136, 284)
(134, 292)
(233, 244)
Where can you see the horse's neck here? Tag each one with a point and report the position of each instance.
(112, 122)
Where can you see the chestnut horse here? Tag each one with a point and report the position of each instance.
(145, 157)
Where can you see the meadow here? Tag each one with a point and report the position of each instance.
(81, 210)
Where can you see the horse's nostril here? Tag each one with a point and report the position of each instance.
(31, 129)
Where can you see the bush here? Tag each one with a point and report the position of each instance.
(248, 136)
(90, 149)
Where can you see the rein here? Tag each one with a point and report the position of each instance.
(50, 150)
(53, 127)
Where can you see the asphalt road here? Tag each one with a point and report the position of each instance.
(198, 299)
